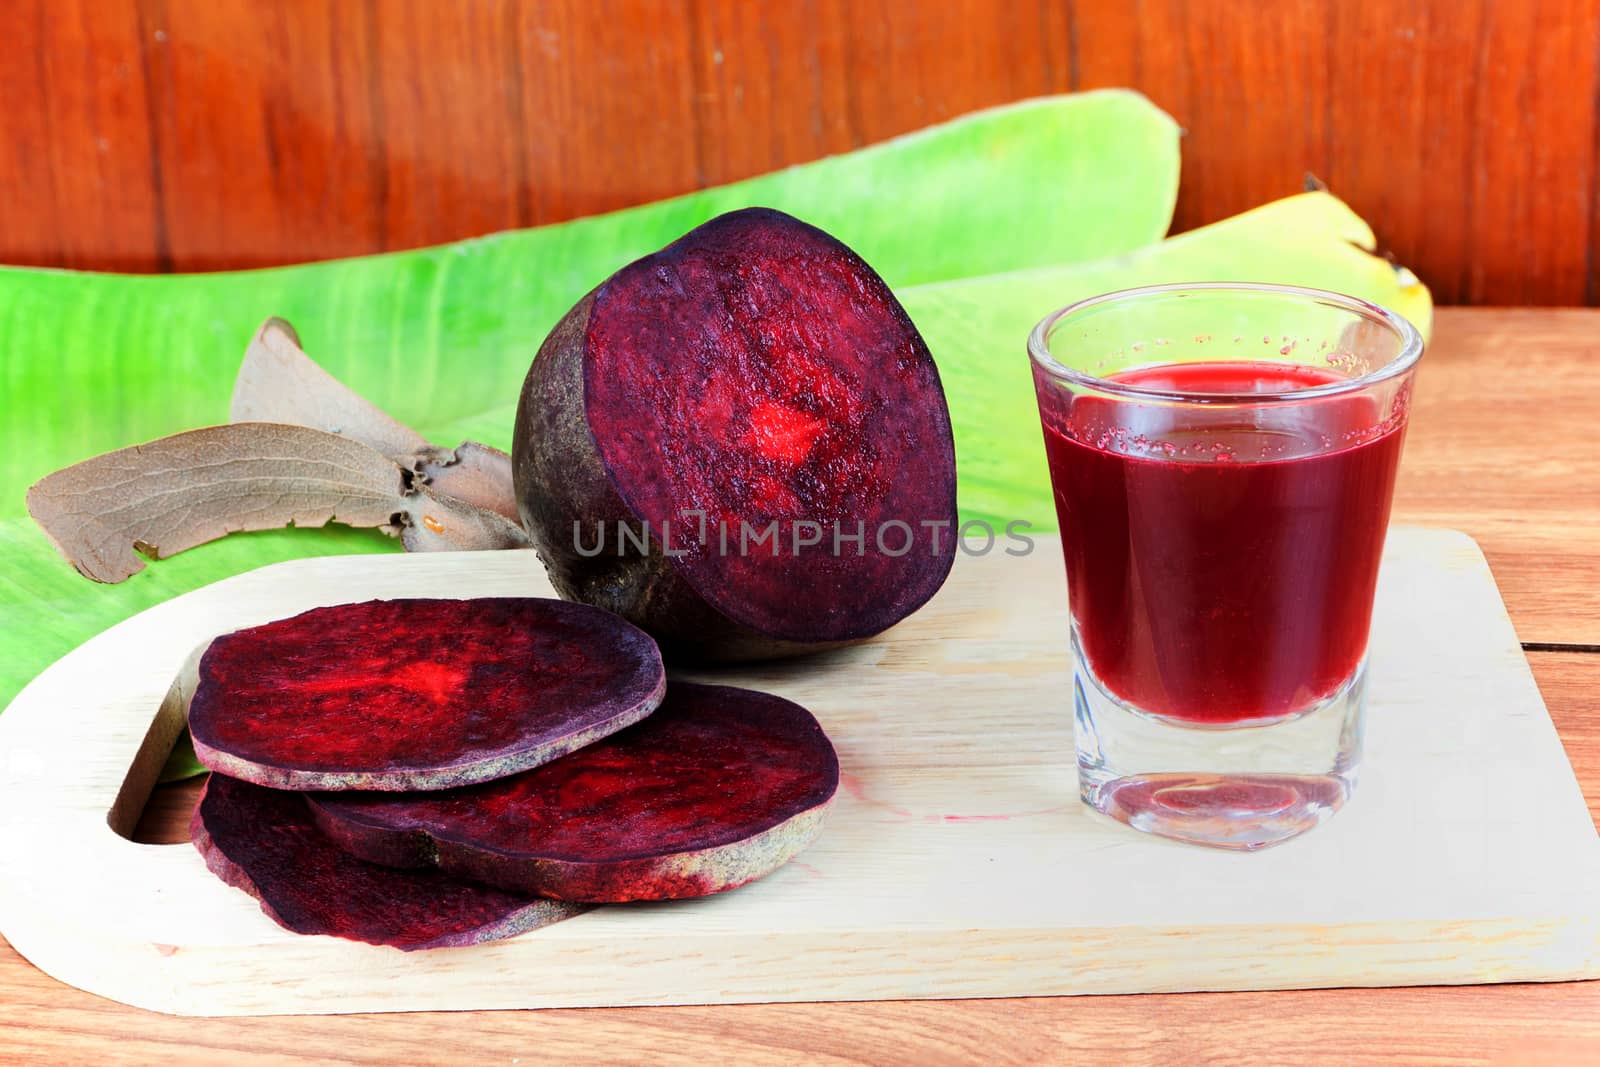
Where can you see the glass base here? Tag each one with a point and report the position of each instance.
(1243, 787)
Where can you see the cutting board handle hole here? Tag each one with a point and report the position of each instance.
(140, 782)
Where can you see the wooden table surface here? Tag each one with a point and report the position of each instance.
(1501, 446)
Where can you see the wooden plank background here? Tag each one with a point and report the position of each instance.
(207, 134)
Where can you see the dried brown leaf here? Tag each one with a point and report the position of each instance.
(474, 473)
(438, 523)
(180, 491)
(278, 382)
(303, 449)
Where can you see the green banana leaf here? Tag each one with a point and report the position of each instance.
(441, 337)
(90, 363)
(982, 225)
(977, 328)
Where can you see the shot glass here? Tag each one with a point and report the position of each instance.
(1223, 459)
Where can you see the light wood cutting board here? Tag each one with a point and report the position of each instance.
(957, 862)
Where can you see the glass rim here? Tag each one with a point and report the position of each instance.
(1411, 345)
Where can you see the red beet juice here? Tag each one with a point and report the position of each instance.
(1221, 557)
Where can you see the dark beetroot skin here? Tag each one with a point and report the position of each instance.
(720, 786)
(418, 694)
(755, 370)
(264, 842)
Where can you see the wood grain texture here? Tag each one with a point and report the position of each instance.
(206, 134)
(1501, 445)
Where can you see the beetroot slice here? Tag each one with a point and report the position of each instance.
(418, 694)
(754, 372)
(264, 842)
(720, 786)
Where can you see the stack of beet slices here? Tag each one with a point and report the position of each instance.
(423, 773)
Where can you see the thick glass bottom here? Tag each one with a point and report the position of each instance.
(1244, 787)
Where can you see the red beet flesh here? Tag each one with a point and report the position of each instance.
(265, 842)
(418, 694)
(755, 371)
(718, 787)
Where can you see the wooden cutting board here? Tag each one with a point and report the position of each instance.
(957, 862)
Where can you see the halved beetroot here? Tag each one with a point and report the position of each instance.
(264, 842)
(755, 399)
(418, 694)
(720, 786)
